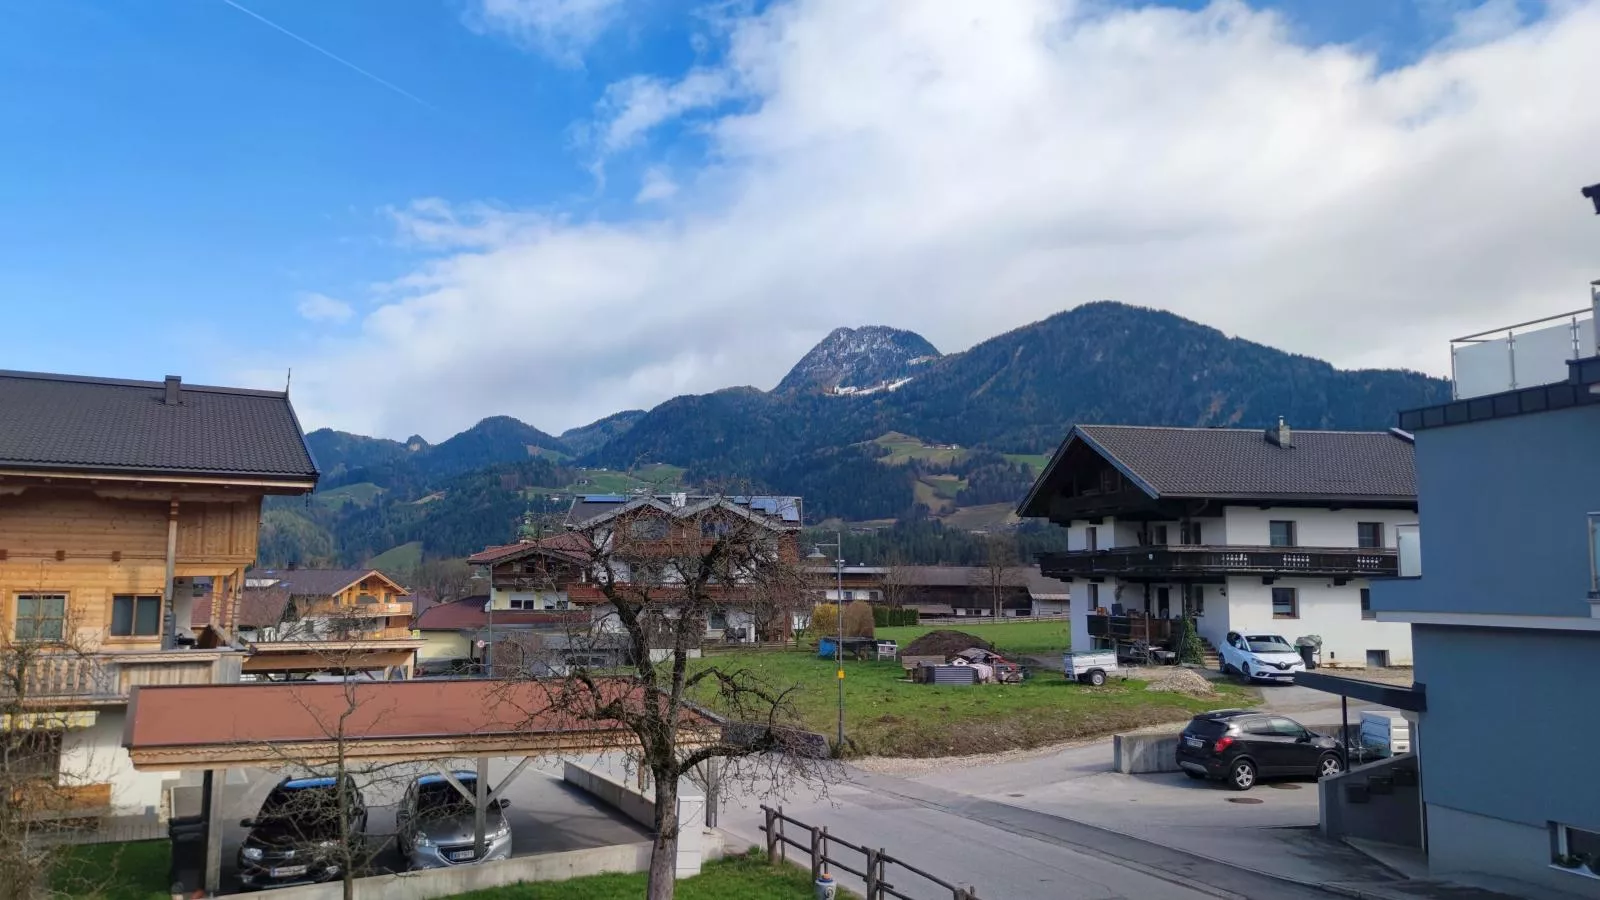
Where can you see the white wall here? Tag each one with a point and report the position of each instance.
(500, 598)
(1326, 610)
(95, 755)
(1248, 526)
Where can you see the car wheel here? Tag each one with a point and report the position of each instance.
(1329, 766)
(1197, 776)
(1097, 678)
(1242, 775)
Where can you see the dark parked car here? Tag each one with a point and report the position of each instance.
(1239, 747)
(295, 839)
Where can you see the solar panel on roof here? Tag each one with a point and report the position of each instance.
(603, 498)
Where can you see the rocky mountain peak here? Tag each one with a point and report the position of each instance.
(859, 360)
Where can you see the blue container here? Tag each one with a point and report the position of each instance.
(825, 647)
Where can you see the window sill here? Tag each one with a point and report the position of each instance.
(1580, 872)
(1283, 616)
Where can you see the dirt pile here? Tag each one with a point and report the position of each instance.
(1178, 680)
(944, 643)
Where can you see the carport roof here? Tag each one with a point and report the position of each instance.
(219, 725)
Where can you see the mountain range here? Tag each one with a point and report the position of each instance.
(873, 424)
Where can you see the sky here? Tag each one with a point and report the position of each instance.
(432, 211)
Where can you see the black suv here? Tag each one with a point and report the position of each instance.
(295, 837)
(1239, 747)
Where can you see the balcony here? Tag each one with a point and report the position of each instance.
(1193, 562)
(1521, 355)
(72, 679)
(1127, 629)
(374, 609)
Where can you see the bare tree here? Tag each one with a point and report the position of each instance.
(663, 571)
(999, 571)
(899, 585)
(47, 667)
(441, 580)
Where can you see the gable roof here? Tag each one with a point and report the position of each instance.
(1229, 463)
(258, 608)
(575, 547)
(324, 582)
(69, 423)
(589, 510)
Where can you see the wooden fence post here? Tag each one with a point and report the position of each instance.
(873, 863)
(816, 852)
(772, 836)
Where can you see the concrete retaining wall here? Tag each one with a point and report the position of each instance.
(430, 883)
(640, 806)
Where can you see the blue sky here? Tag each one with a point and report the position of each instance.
(182, 177)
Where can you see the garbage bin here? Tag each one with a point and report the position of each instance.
(1308, 654)
(1310, 647)
(188, 869)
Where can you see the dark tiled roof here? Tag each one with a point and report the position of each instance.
(66, 422)
(778, 511)
(258, 608)
(1233, 462)
(576, 546)
(318, 582)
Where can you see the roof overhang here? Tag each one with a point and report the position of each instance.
(266, 483)
(1039, 492)
(229, 726)
(1411, 699)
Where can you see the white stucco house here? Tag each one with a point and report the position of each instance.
(1273, 531)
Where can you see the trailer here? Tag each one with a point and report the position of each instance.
(1089, 668)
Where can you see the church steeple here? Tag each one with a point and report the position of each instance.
(527, 532)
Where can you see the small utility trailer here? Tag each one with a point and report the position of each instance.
(1089, 668)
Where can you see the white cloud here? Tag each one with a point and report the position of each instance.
(656, 185)
(962, 175)
(561, 29)
(322, 308)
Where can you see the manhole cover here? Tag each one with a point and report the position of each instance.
(1014, 795)
(1244, 800)
(1285, 787)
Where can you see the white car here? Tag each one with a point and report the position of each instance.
(1260, 656)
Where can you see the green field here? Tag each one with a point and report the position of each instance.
(653, 478)
(733, 878)
(903, 448)
(885, 715)
(404, 558)
(364, 494)
(1015, 638)
(1035, 461)
(130, 871)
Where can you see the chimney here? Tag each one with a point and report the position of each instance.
(1280, 436)
(174, 384)
(680, 500)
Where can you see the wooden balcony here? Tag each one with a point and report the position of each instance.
(1131, 628)
(1193, 562)
(72, 679)
(374, 609)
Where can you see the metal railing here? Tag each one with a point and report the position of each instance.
(1195, 560)
(874, 863)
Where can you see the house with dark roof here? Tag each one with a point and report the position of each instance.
(1276, 532)
(946, 591)
(125, 507)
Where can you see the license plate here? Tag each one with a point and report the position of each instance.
(286, 871)
(1193, 742)
(461, 854)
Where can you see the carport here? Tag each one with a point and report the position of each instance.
(1411, 699)
(213, 728)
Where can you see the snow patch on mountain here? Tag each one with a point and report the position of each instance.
(856, 361)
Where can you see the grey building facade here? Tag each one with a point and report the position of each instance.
(1506, 632)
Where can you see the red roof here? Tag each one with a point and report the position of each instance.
(469, 614)
(571, 544)
(181, 716)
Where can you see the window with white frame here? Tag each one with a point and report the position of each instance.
(1577, 849)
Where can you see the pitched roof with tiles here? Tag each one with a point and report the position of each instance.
(589, 510)
(322, 582)
(64, 422)
(574, 546)
(1224, 463)
(258, 608)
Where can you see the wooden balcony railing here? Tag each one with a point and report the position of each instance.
(1181, 561)
(52, 678)
(1131, 628)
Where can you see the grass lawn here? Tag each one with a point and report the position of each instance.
(888, 716)
(903, 448)
(404, 558)
(732, 878)
(1021, 638)
(136, 870)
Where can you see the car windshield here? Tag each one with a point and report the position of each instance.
(309, 807)
(1268, 643)
(438, 799)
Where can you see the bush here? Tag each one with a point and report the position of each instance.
(859, 620)
(885, 617)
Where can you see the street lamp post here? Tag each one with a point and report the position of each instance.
(838, 647)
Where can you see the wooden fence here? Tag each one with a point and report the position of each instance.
(874, 864)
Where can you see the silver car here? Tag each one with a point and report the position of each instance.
(435, 824)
